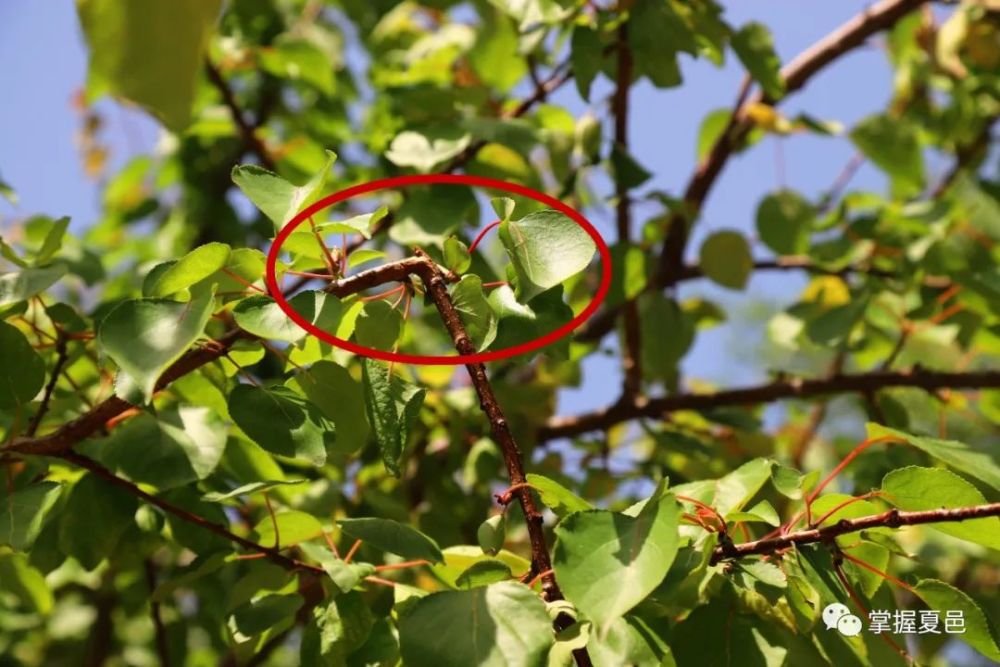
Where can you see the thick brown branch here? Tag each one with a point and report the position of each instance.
(247, 131)
(862, 383)
(94, 420)
(890, 519)
(541, 563)
(632, 341)
(796, 74)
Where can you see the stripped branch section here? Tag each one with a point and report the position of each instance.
(889, 519)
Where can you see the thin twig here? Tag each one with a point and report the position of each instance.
(100, 471)
(162, 647)
(61, 358)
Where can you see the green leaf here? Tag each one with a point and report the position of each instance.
(263, 613)
(627, 171)
(363, 256)
(456, 255)
(392, 406)
(21, 285)
(915, 489)
(629, 641)
(755, 49)
(585, 57)
(23, 513)
(492, 533)
(978, 463)
(282, 422)
(893, 145)
(519, 323)
(8, 193)
(101, 513)
(784, 222)
(483, 573)
(429, 215)
(557, 497)
(176, 447)
(763, 512)
(194, 267)
(25, 583)
(503, 625)
(145, 336)
(394, 537)
(343, 628)
(458, 559)
(359, 224)
(151, 54)
(478, 317)
(503, 207)
(494, 56)
(545, 249)
(765, 578)
(340, 397)
(22, 371)
(345, 576)
(248, 489)
(293, 527)
(726, 259)
(278, 199)
(656, 33)
(607, 563)
(733, 491)
(262, 316)
(378, 325)
(299, 59)
(980, 632)
(53, 241)
(426, 149)
(712, 126)
(717, 634)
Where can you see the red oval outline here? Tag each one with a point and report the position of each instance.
(452, 179)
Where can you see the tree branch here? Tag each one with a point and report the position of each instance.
(247, 131)
(272, 554)
(890, 519)
(541, 563)
(632, 341)
(162, 647)
(61, 358)
(94, 420)
(796, 388)
(850, 35)
(599, 325)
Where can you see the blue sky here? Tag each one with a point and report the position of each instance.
(44, 64)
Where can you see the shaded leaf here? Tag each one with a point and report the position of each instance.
(394, 537)
(282, 422)
(22, 371)
(726, 259)
(392, 406)
(145, 336)
(503, 625)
